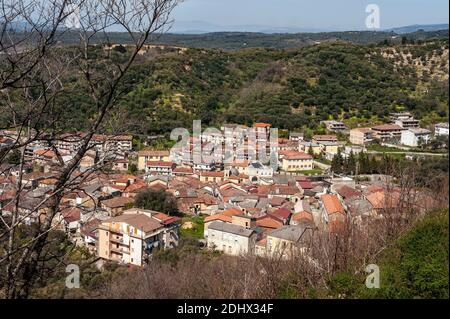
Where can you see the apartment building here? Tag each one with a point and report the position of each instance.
(324, 138)
(292, 161)
(415, 136)
(334, 126)
(387, 132)
(361, 136)
(133, 236)
(441, 129)
(152, 155)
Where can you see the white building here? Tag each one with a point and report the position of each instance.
(415, 136)
(441, 129)
(231, 239)
(257, 171)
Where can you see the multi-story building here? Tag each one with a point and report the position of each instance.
(286, 242)
(441, 129)
(152, 155)
(335, 126)
(361, 136)
(230, 238)
(387, 132)
(408, 123)
(133, 236)
(256, 171)
(415, 137)
(159, 167)
(304, 146)
(292, 161)
(324, 138)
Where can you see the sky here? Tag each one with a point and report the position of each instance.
(324, 15)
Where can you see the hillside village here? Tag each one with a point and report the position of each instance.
(246, 205)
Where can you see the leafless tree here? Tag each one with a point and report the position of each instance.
(33, 66)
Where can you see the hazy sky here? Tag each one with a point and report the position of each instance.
(320, 14)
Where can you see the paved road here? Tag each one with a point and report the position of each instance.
(409, 153)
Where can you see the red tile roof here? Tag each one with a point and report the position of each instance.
(332, 204)
(159, 163)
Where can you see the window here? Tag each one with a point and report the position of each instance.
(132, 260)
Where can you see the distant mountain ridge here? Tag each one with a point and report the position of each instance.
(201, 27)
(417, 27)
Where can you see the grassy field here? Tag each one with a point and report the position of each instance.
(198, 227)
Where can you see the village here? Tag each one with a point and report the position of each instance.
(270, 207)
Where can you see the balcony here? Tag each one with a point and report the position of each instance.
(120, 250)
(116, 239)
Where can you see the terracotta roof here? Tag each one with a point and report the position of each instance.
(213, 174)
(332, 204)
(116, 202)
(262, 125)
(160, 163)
(154, 153)
(305, 184)
(379, 200)
(232, 212)
(297, 155)
(140, 221)
(220, 217)
(269, 222)
(282, 213)
(387, 127)
(347, 191)
(71, 214)
(302, 215)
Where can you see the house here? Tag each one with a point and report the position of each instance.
(282, 214)
(120, 165)
(231, 239)
(361, 136)
(415, 137)
(216, 177)
(152, 155)
(292, 161)
(335, 126)
(133, 236)
(269, 222)
(89, 234)
(333, 212)
(441, 129)
(407, 123)
(305, 147)
(330, 147)
(286, 242)
(257, 171)
(387, 131)
(159, 167)
(116, 205)
(296, 136)
(324, 138)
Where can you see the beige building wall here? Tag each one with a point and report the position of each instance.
(297, 165)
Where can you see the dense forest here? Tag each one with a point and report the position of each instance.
(292, 89)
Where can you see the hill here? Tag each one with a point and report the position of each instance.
(292, 89)
(416, 266)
